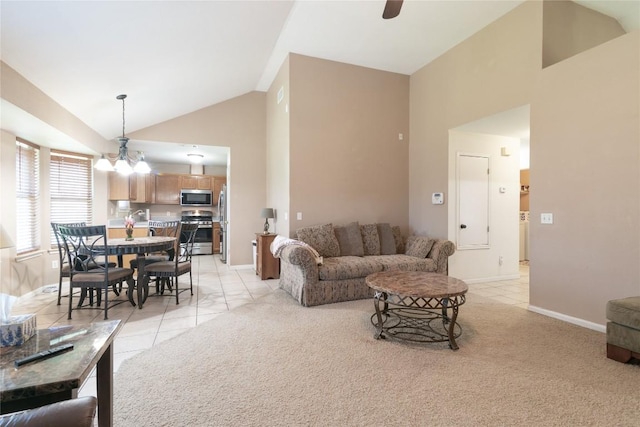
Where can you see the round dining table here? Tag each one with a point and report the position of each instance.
(140, 246)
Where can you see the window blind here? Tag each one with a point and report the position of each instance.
(27, 196)
(71, 181)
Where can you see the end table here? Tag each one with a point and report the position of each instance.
(267, 266)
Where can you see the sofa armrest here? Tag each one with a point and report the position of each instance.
(69, 413)
(298, 268)
(440, 253)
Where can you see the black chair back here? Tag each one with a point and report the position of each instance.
(185, 243)
(86, 247)
(63, 261)
(87, 252)
(164, 228)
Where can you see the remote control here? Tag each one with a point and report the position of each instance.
(44, 354)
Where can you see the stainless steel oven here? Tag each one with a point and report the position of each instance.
(203, 243)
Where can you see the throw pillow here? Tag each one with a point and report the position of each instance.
(397, 234)
(370, 239)
(387, 240)
(418, 246)
(321, 238)
(349, 239)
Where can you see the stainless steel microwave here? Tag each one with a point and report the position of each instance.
(196, 197)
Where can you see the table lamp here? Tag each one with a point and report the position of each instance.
(266, 213)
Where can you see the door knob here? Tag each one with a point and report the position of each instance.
(463, 226)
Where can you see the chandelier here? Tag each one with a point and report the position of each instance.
(124, 160)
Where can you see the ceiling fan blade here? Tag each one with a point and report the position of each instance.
(391, 9)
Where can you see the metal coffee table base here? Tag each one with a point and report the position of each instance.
(417, 319)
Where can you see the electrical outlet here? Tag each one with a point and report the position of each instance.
(546, 218)
(54, 264)
(500, 260)
(299, 216)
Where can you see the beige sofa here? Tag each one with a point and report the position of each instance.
(349, 254)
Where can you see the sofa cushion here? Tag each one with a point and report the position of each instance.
(403, 262)
(370, 239)
(624, 311)
(397, 234)
(349, 239)
(321, 238)
(419, 246)
(348, 267)
(387, 240)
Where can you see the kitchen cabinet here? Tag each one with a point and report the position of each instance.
(121, 233)
(167, 189)
(135, 188)
(121, 187)
(524, 189)
(219, 181)
(145, 188)
(216, 237)
(196, 182)
(162, 189)
(267, 266)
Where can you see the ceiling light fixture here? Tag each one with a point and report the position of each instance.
(195, 158)
(123, 160)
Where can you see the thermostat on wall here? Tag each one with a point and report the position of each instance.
(437, 198)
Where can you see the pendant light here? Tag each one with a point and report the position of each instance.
(123, 160)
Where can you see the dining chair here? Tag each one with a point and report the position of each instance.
(63, 261)
(181, 263)
(164, 229)
(159, 228)
(86, 248)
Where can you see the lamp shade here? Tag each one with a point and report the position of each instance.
(267, 213)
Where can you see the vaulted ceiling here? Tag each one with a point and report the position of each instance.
(175, 57)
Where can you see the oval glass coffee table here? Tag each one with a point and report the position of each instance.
(417, 306)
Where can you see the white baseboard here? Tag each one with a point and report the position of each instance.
(240, 267)
(492, 279)
(568, 319)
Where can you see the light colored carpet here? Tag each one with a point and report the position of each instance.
(275, 363)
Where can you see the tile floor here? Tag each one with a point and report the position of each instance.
(217, 289)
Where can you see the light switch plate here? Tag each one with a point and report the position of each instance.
(546, 218)
(437, 198)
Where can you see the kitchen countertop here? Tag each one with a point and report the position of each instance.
(119, 223)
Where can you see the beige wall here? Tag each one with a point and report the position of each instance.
(24, 96)
(569, 28)
(585, 139)
(584, 154)
(278, 160)
(8, 284)
(240, 124)
(346, 161)
(43, 122)
(490, 72)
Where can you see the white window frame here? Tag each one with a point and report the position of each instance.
(70, 189)
(27, 197)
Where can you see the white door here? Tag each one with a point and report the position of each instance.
(473, 201)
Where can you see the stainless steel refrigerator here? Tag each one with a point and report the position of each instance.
(222, 212)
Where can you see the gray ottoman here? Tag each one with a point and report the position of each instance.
(623, 329)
